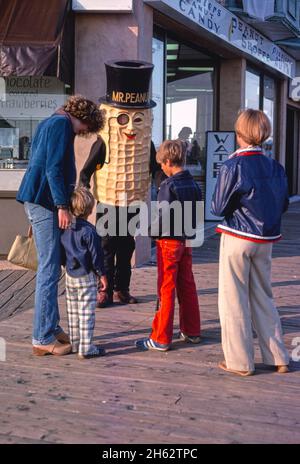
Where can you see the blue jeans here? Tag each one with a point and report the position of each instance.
(47, 240)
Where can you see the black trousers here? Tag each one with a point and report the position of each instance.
(118, 251)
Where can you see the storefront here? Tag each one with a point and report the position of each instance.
(208, 65)
(36, 76)
(26, 102)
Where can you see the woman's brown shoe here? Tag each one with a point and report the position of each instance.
(56, 348)
(63, 338)
(222, 365)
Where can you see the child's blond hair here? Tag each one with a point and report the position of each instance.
(172, 150)
(253, 126)
(82, 202)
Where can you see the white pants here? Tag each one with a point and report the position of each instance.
(246, 300)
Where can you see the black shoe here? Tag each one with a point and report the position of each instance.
(195, 339)
(124, 297)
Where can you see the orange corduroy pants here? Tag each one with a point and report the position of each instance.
(175, 274)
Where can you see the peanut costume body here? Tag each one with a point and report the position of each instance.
(124, 178)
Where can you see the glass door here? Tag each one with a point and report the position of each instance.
(260, 94)
(292, 149)
(190, 102)
(158, 89)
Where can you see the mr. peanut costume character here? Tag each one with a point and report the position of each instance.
(122, 161)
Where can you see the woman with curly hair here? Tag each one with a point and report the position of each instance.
(45, 191)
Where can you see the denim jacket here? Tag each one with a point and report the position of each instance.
(51, 174)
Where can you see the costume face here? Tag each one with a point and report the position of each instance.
(127, 126)
(130, 125)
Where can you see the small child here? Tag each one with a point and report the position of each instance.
(252, 193)
(84, 264)
(174, 258)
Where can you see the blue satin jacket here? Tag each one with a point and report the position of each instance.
(51, 174)
(252, 194)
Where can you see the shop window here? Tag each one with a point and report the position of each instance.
(252, 90)
(190, 102)
(292, 149)
(261, 94)
(158, 59)
(269, 101)
(183, 86)
(24, 104)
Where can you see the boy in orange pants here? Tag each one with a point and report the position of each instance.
(174, 258)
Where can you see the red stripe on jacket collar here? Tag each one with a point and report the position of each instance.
(249, 153)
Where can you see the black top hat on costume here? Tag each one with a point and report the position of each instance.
(128, 84)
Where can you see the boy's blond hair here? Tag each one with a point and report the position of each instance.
(253, 126)
(172, 150)
(82, 202)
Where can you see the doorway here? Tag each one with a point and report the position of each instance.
(292, 150)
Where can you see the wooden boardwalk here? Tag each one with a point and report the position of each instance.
(17, 291)
(133, 397)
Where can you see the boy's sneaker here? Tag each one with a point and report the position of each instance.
(146, 344)
(94, 354)
(195, 339)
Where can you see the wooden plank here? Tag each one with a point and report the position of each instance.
(10, 280)
(20, 296)
(18, 289)
(5, 273)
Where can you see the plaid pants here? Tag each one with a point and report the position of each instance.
(81, 293)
